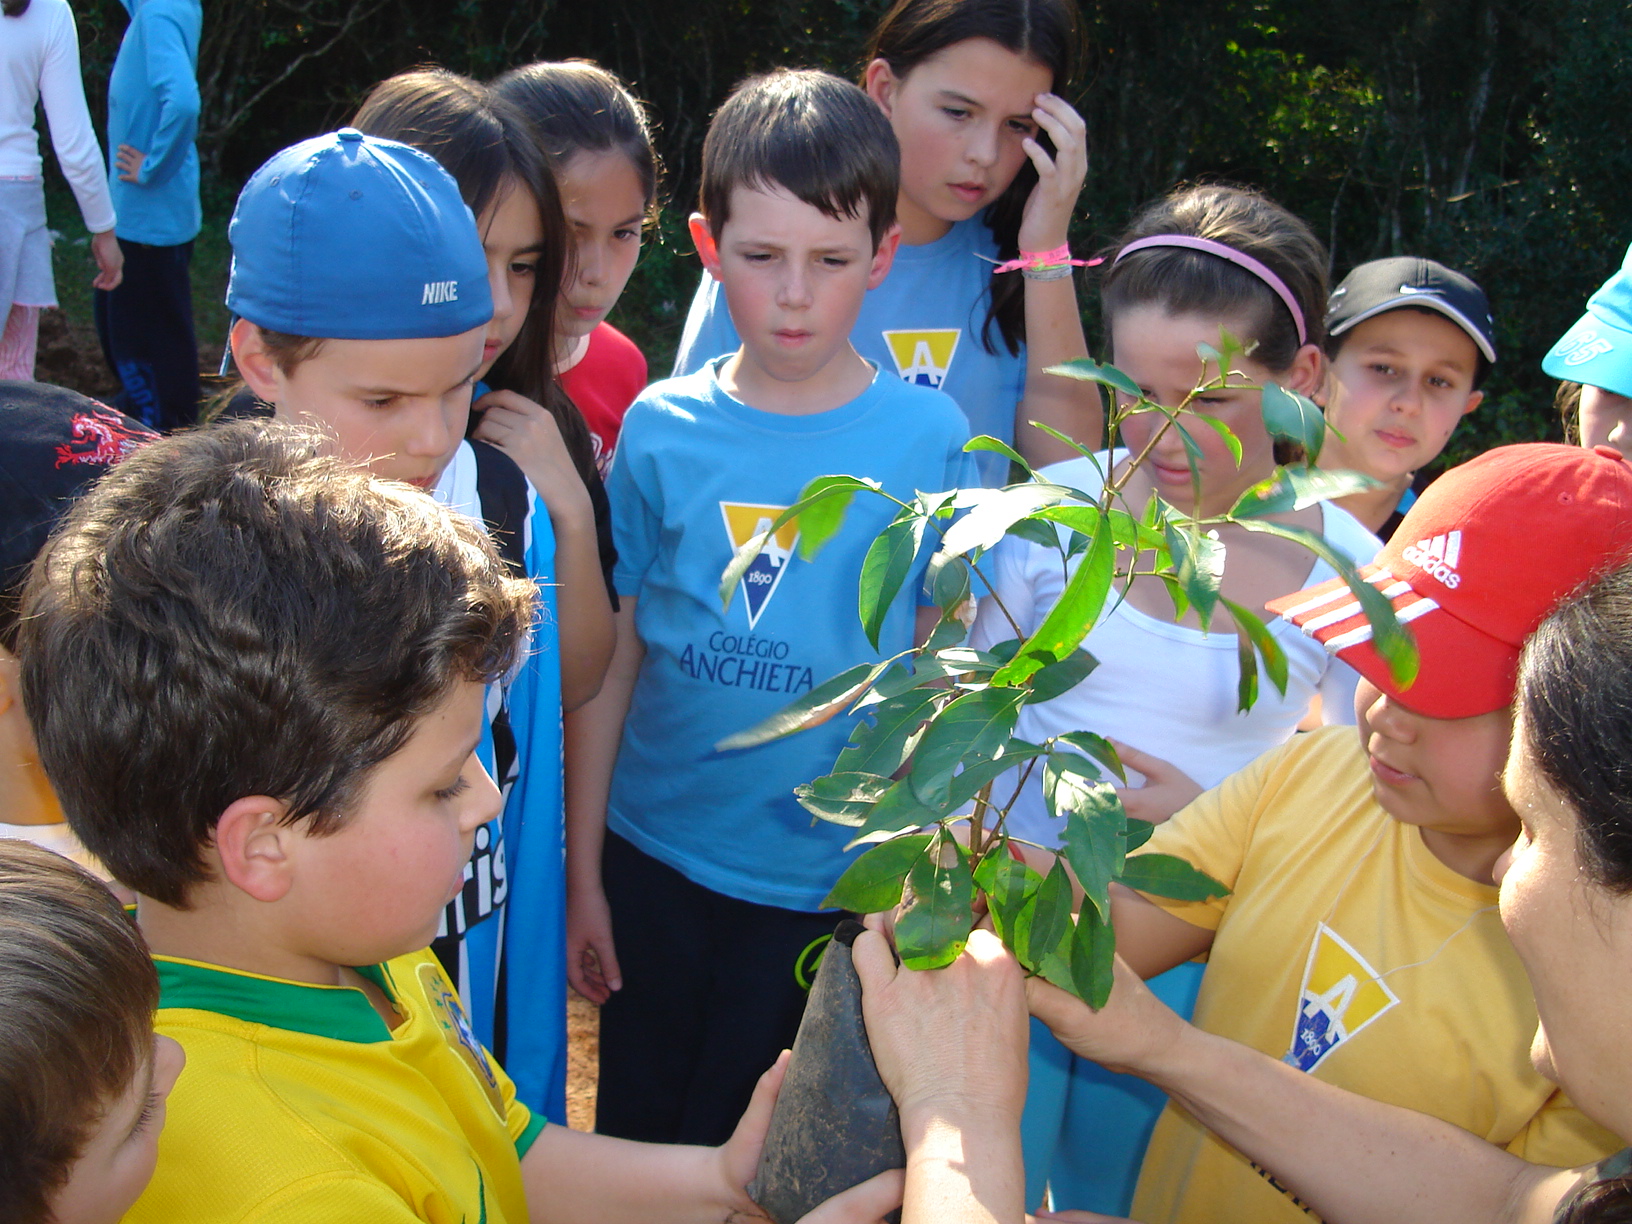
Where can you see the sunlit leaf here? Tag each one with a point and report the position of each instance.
(1294, 488)
(993, 511)
(897, 809)
(1097, 747)
(874, 881)
(1072, 615)
(1231, 442)
(821, 509)
(1009, 886)
(985, 442)
(842, 798)
(977, 723)
(1089, 370)
(880, 745)
(933, 929)
(815, 707)
(947, 582)
(1198, 560)
(1162, 875)
(885, 568)
(1266, 643)
(1292, 417)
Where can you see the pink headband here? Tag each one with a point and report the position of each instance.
(1236, 257)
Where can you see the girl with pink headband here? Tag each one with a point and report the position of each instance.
(1201, 261)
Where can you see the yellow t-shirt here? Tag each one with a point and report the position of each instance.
(1347, 949)
(298, 1104)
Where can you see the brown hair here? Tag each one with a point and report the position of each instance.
(1184, 281)
(231, 613)
(485, 144)
(817, 137)
(77, 994)
(1567, 403)
(1047, 31)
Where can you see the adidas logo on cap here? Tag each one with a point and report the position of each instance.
(1437, 557)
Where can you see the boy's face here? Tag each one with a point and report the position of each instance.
(118, 1159)
(1399, 385)
(399, 406)
(377, 888)
(794, 279)
(1440, 774)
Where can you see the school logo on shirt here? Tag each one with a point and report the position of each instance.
(923, 358)
(455, 1025)
(1341, 995)
(743, 522)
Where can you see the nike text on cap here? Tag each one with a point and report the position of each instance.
(1488, 551)
(350, 237)
(1408, 281)
(1597, 350)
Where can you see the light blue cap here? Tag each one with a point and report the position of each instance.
(1598, 349)
(350, 237)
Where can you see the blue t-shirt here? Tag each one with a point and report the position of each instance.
(153, 107)
(925, 323)
(512, 910)
(696, 474)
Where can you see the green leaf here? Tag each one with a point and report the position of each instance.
(821, 509)
(976, 724)
(947, 582)
(874, 881)
(1137, 833)
(1097, 747)
(1231, 442)
(1088, 370)
(993, 511)
(932, 930)
(1089, 453)
(1071, 617)
(1009, 886)
(880, 746)
(1165, 876)
(1294, 488)
(842, 798)
(949, 632)
(1063, 676)
(826, 698)
(1050, 917)
(1265, 642)
(1292, 417)
(1093, 953)
(1198, 561)
(885, 568)
(1094, 840)
(977, 773)
(1390, 638)
(1192, 455)
(1246, 675)
(896, 811)
(985, 442)
(1037, 532)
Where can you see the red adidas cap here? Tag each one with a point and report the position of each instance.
(1487, 552)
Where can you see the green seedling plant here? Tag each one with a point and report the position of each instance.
(932, 770)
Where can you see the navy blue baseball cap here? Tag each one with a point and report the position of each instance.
(1598, 349)
(351, 237)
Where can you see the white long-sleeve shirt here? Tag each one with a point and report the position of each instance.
(39, 62)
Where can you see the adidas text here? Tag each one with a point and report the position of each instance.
(437, 292)
(1438, 557)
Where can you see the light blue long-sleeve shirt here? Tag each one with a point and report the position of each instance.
(153, 107)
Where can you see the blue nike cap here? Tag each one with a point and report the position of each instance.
(351, 237)
(1597, 350)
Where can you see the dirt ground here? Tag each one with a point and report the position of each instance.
(69, 355)
(583, 1057)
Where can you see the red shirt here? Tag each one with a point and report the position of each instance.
(603, 384)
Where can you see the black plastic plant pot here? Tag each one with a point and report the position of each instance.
(835, 1124)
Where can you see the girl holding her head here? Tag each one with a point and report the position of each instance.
(1202, 261)
(600, 144)
(992, 162)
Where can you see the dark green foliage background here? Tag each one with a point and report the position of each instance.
(1489, 134)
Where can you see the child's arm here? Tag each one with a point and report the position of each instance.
(529, 434)
(592, 737)
(1053, 321)
(1350, 1158)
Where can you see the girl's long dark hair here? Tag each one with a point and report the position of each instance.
(14, 8)
(1047, 31)
(485, 144)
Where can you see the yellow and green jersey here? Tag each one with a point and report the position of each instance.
(298, 1103)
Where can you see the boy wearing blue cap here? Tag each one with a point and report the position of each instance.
(362, 293)
(714, 877)
(1596, 356)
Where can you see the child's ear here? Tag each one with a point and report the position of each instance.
(880, 82)
(1475, 398)
(1307, 373)
(703, 237)
(260, 372)
(255, 847)
(884, 257)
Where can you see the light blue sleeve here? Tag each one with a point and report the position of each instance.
(173, 81)
(535, 1045)
(708, 333)
(635, 525)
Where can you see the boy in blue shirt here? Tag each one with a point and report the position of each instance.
(713, 874)
(146, 324)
